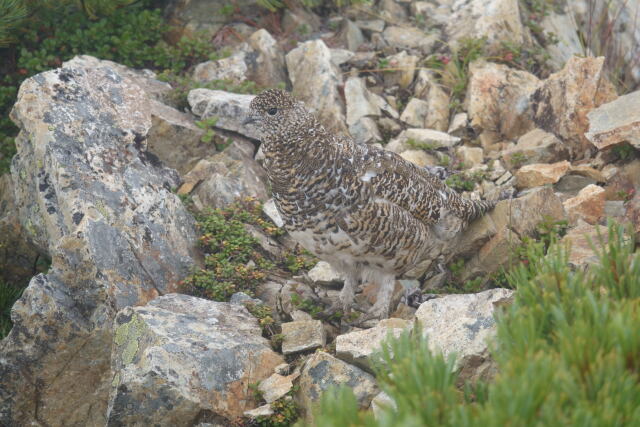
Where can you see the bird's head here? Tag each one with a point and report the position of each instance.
(275, 112)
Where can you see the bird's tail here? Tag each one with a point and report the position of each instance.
(478, 208)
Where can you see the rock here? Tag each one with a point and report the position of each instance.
(458, 126)
(380, 403)
(241, 298)
(18, 257)
(588, 205)
(365, 131)
(302, 336)
(497, 20)
(351, 35)
(499, 252)
(341, 56)
(145, 79)
(358, 347)
(230, 109)
(217, 181)
(419, 158)
(536, 146)
(322, 371)
(371, 25)
(498, 99)
(175, 138)
(299, 19)
(470, 156)
(615, 122)
(201, 17)
(270, 209)
(232, 68)
(180, 356)
(463, 324)
(391, 11)
(360, 102)
(566, 31)
(581, 239)
(276, 386)
(428, 89)
(261, 411)
(632, 208)
(300, 316)
(415, 112)
(588, 172)
(622, 181)
(323, 274)
(423, 137)
(404, 38)
(570, 185)
(315, 82)
(403, 68)
(562, 102)
(90, 196)
(265, 62)
(538, 174)
(521, 215)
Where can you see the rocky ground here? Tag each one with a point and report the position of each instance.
(105, 161)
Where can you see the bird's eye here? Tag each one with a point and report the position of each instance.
(272, 111)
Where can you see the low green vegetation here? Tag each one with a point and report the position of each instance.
(567, 350)
(286, 412)
(131, 35)
(8, 296)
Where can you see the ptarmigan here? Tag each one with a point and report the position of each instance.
(368, 212)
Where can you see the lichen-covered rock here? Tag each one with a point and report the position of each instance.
(180, 357)
(498, 99)
(18, 257)
(537, 174)
(230, 110)
(497, 20)
(536, 146)
(302, 336)
(322, 371)
(615, 122)
(587, 205)
(276, 386)
(463, 324)
(562, 101)
(265, 61)
(403, 68)
(409, 38)
(232, 68)
(428, 88)
(358, 347)
(581, 240)
(315, 81)
(219, 180)
(175, 138)
(90, 196)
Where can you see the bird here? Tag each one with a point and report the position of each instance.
(365, 210)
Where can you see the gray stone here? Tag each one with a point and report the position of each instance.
(261, 411)
(427, 88)
(265, 61)
(358, 347)
(536, 146)
(302, 336)
(270, 209)
(463, 324)
(365, 131)
(230, 109)
(179, 356)
(572, 184)
(422, 136)
(360, 102)
(409, 38)
(323, 274)
(340, 56)
(217, 181)
(276, 386)
(381, 403)
(415, 112)
(232, 68)
(497, 20)
(615, 122)
(372, 25)
(90, 196)
(315, 82)
(322, 371)
(351, 35)
(402, 69)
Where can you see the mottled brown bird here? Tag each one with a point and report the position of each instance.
(368, 212)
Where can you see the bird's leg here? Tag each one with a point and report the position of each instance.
(382, 306)
(345, 302)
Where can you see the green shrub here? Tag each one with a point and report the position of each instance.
(567, 350)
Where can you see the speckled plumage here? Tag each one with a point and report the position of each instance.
(367, 211)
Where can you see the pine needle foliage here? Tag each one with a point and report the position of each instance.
(12, 14)
(567, 349)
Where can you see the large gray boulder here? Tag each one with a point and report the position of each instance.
(90, 196)
(180, 358)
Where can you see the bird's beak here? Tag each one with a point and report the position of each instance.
(251, 118)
